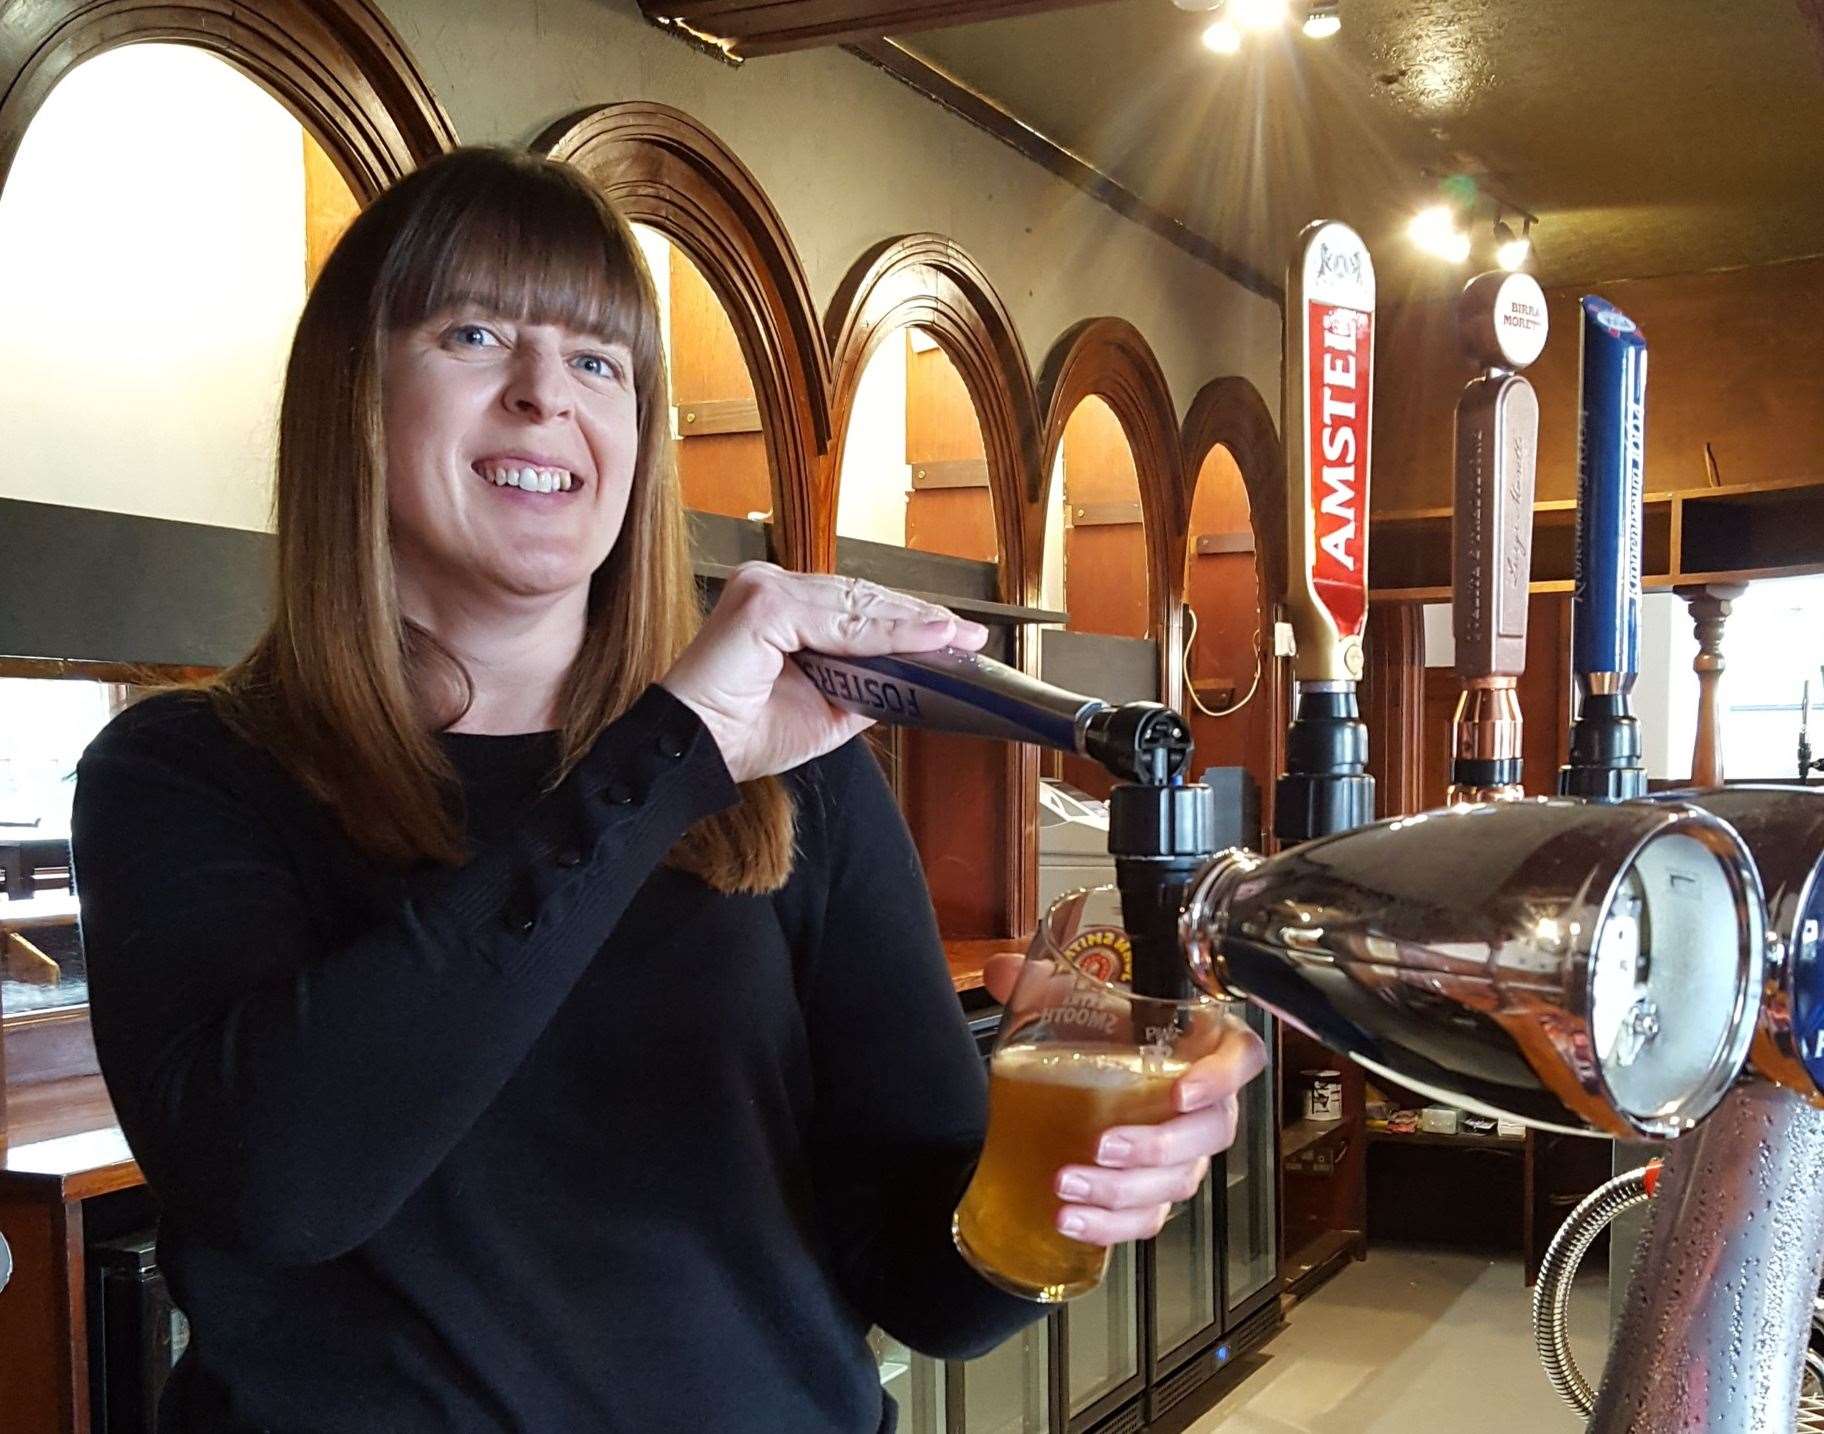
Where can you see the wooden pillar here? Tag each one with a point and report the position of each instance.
(1393, 706)
(1710, 604)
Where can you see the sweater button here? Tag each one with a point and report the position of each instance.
(569, 857)
(672, 744)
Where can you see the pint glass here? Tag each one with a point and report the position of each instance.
(1077, 1053)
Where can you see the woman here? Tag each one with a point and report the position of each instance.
(526, 1005)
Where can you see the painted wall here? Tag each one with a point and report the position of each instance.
(152, 233)
(1728, 364)
(850, 157)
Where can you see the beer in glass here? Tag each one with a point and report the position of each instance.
(1077, 1054)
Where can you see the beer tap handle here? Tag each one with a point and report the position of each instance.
(1329, 361)
(1501, 319)
(1605, 760)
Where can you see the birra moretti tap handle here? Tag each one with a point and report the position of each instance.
(1329, 368)
(1501, 319)
(1605, 630)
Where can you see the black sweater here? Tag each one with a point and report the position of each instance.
(561, 1140)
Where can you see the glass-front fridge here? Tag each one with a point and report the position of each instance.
(916, 1383)
(1009, 1389)
(1099, 1334)
(1251, 1233)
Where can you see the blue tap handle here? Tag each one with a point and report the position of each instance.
(1605, 639)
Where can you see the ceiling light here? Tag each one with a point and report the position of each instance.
(1435, 231)
(1513, 250)
(1223, 38)
(1258, 14)
(1322, 21)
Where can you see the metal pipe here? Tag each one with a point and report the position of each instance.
(1713, 1335)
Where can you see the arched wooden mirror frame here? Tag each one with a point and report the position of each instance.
(664, 169)
(930, 281)
(1109, 359)
(337, 65)
(927, 280)
(1230, 411)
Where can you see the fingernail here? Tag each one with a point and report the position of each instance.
(1195, 1095)
(1112, 1150)
(964, 628)
(1072, 1224)
(1073, 1187)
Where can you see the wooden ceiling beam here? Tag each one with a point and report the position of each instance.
(742, 29)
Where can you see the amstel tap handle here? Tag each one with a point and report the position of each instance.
(1605, 635)
(1329, 363)
(1501, 320)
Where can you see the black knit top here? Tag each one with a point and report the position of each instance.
(560, 1140)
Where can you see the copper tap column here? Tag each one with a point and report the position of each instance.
(1329, 362)
(1502, 322)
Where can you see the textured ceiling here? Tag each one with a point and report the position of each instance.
(1648, 136)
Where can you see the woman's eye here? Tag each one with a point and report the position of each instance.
(599, 366)
(472, 336)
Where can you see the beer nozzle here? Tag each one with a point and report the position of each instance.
(1593, 968)
(1501, 319)
(1329, 360)
(1161, 828)
(1605, 760)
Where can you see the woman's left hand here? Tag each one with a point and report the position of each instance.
(1141, 1171)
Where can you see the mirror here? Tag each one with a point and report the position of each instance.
(1094, 567)
(142, 373)
(715, 416)
(145, 362)
(1225, 634)
(914, 477)
(914, 468)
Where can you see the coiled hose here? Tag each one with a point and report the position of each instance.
(1558, 1271)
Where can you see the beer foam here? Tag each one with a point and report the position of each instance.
(1086, 1067)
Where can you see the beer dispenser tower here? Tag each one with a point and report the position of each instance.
(1501, 320)
(1329, 396)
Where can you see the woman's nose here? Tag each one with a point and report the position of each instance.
(538, 385)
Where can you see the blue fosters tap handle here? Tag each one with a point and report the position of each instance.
(1605, 644)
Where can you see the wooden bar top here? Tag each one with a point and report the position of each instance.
(57, 908)
(64, 1143)
(966, 956)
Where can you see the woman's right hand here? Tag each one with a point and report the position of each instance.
(764, 713)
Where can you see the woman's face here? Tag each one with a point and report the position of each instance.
(510, 451)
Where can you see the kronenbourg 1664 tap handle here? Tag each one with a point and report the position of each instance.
(1605, 635)
(1501, 319)
(1329, 396)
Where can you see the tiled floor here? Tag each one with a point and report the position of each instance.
(1414, 1342)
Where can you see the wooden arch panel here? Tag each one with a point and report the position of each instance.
(1109, 359)
(335, 64)
(927, 280)
(662, 168)
(1230, 411)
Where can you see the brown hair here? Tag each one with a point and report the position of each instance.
(341, 688)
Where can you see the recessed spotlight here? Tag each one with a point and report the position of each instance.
(1513, 250)
(1223, 38)
(1322, 21)
(1257, 14)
